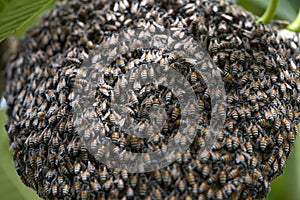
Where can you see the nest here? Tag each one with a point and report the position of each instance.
(62, 102)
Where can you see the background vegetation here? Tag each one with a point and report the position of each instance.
(17, 16)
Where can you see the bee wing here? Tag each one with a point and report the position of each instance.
(137, 85)
(288, 86)
(121, 122)
(104, 91)
(246, 155)
(105, 116)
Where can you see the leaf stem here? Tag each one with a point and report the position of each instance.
(295, 25)
(270, 12)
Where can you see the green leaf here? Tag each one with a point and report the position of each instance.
(11, 185)
(295, 25)
(295, 3)
(286, 10)
(4, 3)
(269, 12)
(14, 14)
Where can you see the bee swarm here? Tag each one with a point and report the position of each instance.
(260, 71)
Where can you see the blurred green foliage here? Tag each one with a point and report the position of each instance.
(16, 15)
(285, 187)
(287, 9)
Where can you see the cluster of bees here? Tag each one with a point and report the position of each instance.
(60, 159)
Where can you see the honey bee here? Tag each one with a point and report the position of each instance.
(275, 166)
(291, 137)
(77, 184)
(103, 173)
(90, 167)
(84, 193)
(282, 161)
(271, 159)
(236, 142)
(51, 157)
(233, 173)
(94, 144)
(222, 177)
(287, 124)
(280, 152)
(133, 180)
(52, 109)
(186, 156)
(54, 188)
(228, 143)
(175, 171)
(222, 57)
(249, 147)
(181, 185)
(207, 93)
(282, 87)
(254, 130)
(137, 85)
(212, 179)
(65, 189)
(31, 159)
(77, 167)
(228, 189)
(257, 175)
(205, 156)
(142, 126)
(205, 171)
(210, 193)
(135, 142)
(190, 178)
(203, 187)
(39, 161)
(265, 168)
(201, 143)
(123, 142)
(213, 46)
(166, 177)
(273, 92)
(219, 194)
(107, 184)
(101, 152)
(147, 158)
(129, 110)
(263, 143)
(124, 174)
(290, 112)
(226, 158)
(254, 162)
(129, 192)
(55, 139)
(157, 176)
(165, 127)
(115, 135)
(252, 97)
(193, 76)
(201, 196)
(201, 104)
(132, 98)
(164, 147)
(156, 193)
(120, 184)
(168, 96)
(123, 82)
(143, 189)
